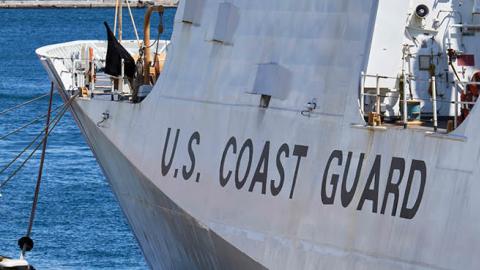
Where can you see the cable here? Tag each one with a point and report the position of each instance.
(133, 23)
(2, 185)
(151, 45)
(23, 104)
(116, 16)
(27, 124)
(56, 121)
(40, 170)
(26, 148)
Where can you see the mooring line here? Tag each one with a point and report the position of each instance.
(40, 169)
(57, 119)
(28, 146)
(22, 104)
(37, 119)
(2, 185)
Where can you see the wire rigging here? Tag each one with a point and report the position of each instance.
(133, 23)
(27, 147)
(40, 170)
(22, 104)
(55, 121)
(35, 120)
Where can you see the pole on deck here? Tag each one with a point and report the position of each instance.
(455, 118)
(378, 96)
(362, 94)
(405, 110)
(434, 101)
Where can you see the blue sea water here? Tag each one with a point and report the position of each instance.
(79, 224)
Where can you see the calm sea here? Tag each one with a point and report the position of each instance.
(79, 224)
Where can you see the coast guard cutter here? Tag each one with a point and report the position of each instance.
(281, 134)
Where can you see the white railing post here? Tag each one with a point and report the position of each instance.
(377, 102)
(73, 74)
(406, 53)
(455, 118)
(362, 94)
(405, 111)
(92, 75)
(122, 76)
(434, 101)
(91, 70)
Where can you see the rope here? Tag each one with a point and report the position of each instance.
(26, 148)
(115, 22)
(156, 49)
(23, 104)
(56, 121)
(40, 168)
(20, 154)
(153, 44)
(133, 23)
(27, 124)
(455, 72)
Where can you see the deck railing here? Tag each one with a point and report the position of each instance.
(460, 86)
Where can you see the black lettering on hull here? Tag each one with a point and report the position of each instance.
(371, 192)
(284, 150)
(347, 195)
(187, 173)
(421, 167)
(167, 165)
(260, 176)
(232, 143)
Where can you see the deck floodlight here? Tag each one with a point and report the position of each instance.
(422, 11)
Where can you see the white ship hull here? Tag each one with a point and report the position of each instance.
(187, 224)
(208, 180)
(169, 237)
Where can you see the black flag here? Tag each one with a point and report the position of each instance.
(115, 53)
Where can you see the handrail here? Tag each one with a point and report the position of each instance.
(459, 84)
(378, 96)
(405, 104)
(434, 104)
(459, 87)
(376, 75)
